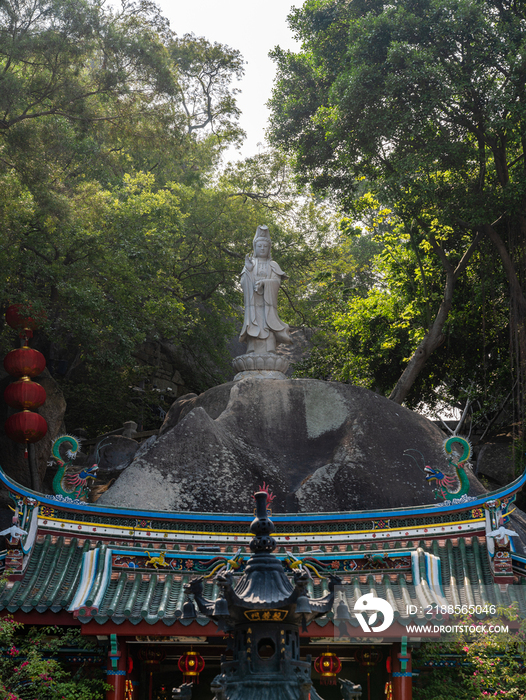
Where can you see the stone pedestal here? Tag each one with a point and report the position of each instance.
(265, 365)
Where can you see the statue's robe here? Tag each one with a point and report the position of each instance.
(261, 315)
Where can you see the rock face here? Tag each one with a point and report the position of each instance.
(495, 461)
(320, 446)
(113, 452)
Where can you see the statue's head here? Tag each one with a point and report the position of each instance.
(261, 243)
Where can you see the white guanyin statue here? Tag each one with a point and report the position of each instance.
(262, 328)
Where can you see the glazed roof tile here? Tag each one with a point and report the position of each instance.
(109, 564)
(56, 577)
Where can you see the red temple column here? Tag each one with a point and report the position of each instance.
(402, 677)
(116, 669)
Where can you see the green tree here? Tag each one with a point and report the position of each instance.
(367, 340)
(423, 102)
(105, 157)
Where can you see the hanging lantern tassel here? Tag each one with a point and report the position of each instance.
(328, 665)
(191, 664)
(152, 658)
(368, 658)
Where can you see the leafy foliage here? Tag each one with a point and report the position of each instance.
(115, 220)
(417, 107)
(29, 668)
(488, 665)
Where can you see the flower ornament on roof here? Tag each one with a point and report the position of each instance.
(266, 489)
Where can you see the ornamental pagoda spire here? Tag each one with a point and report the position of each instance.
(263, 610)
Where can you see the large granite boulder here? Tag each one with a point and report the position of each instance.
(320, 446)
(495, 463)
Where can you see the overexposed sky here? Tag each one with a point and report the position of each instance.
(254, 28)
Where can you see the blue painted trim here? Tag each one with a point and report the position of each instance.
(416, 512)
(406, 674)
(115, 673)
(326, 556)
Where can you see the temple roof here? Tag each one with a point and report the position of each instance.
(288, 523)
(94, 581)
(101, 563)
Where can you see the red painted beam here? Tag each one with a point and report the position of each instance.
(61, 618)
(127, 628)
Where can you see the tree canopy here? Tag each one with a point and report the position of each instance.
(419, 106)
(116, 221)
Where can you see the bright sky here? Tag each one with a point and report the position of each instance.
(254, 28)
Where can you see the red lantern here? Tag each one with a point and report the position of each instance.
(24, 324)
(368, 657)
(328, 665)
(25, 427)
(24, 362)
(191, 664)
(25, 395)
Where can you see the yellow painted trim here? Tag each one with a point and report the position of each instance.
(277, 536)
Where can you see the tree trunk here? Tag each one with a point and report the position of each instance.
(517, 301)
(432, 340)
(434, 337)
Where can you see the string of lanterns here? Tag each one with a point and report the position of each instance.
(26, 396)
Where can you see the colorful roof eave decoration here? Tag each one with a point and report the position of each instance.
(92, 579)
(80, 578)
(115, 511)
